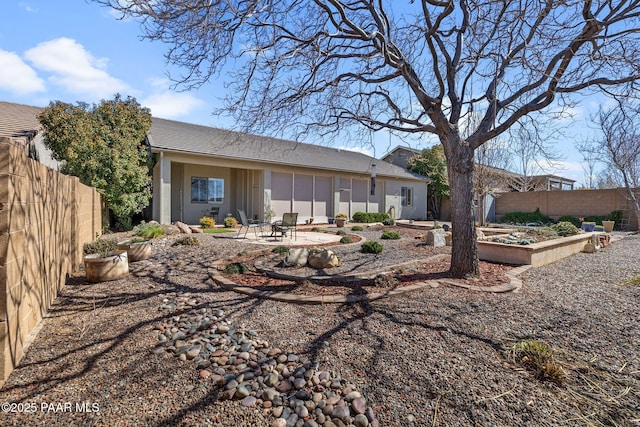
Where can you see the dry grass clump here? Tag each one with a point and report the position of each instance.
(537, 357)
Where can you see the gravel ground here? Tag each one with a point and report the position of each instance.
(434, 357)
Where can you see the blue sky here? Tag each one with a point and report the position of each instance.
(71, 51)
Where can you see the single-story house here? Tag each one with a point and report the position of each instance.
(200, 170)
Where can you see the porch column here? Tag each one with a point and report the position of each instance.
(164, 202)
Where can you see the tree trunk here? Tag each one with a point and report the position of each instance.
(464, 253)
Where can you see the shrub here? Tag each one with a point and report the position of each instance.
(280, 250)
(389, 221)
(617, 217)
(346, 239)
(390, 235)
(368, 217)
(341, 216)
(207, 222)
(230, 222)
(572, 219)
(371, 247)
(100, 246)
(236, 268)
(341, 232)
(187, 241)
(535, 217)
(357, 228)
(565, 229)
(148, 230)
(547, 231)
(318, 230)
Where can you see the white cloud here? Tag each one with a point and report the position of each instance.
(18, 77)
(74, 68)
(171, 105)
(28, 8)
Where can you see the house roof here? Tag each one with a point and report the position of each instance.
(207, 141)
(19, 121)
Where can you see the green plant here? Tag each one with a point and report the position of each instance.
(104, 146)
(341, 216)
(346, 239)
(547, 231)
(617, 217)
(207, 222)
(341, 232)
(538, 358)
(100, 246)
(236, 268)
(230, 222)
(371, 247)
(280, 250)
(568, 218)
(369, 217)
(389, 221)
(535, 217)
(390, 235)
(565, 228)
(357, 228)
(317, 230)
(187, 241)
(148, 230)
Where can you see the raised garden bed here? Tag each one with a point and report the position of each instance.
(535, 254)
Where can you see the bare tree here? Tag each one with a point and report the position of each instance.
(620, 146)
(409, 67)
(490, 175)
(590, 161)
(533, 155)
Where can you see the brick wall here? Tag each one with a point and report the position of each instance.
(45, 217)
(578, 203)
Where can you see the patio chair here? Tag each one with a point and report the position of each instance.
(288, 223)
(245, 225)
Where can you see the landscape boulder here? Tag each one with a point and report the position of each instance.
(170, 229)
(296, 257)
(184, 228)
(435, 237)
(321, 258)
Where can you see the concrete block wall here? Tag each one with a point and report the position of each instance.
(578, 203)
(45, 217)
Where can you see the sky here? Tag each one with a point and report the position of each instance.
(70, 50)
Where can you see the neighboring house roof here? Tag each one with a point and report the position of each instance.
(19, 121)
(208, 141)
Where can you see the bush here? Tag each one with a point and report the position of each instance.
(230, 222)
(389, 221)
(207, 222)
(187, 241)
(100, 246)
(346, 239)
(236, 268)
(390, 235)
(357, 228)
(535, 217)
(617, 217)
(341, 232)
(371, 247)
(280, 250)
(547, 232)
(565, 228)
(318, 230)
(368, 217)
(572, 219)
(148, 230)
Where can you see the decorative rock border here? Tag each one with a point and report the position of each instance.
(514, 285)
(246, 368)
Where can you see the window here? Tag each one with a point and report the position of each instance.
(406, 194)
(204, 190)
